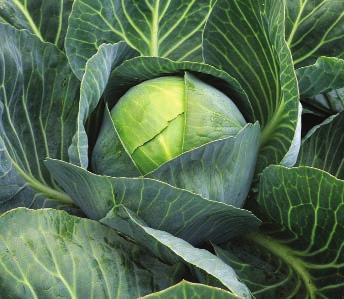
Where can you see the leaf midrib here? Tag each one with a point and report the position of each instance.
(28, 17)
(286, 254)
(40, 187)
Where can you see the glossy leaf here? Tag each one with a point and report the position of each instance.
(50, 254)
(170, 29)
(162, 206)
(38, 108)
(315, 28)
(186, 290)
(246, 39)
(47, 19)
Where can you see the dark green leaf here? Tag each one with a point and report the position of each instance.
(246, 39)
(167, 247)
(47, 19)
(315, 28)
(170, 29)
(38, 108)
(162, 206)
(304, 258)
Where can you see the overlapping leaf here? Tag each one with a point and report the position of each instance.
(47, 19)
(93, 84)
(315, 28)
(170, 29)
(221, 170)
(167, 247)
(303, 256)
(50, 254)
(246, 39)
(162, 206)
(322, 85)
(38, 96)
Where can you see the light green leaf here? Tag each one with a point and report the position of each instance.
(38, 107)
(315, 28)
(139, 69)
(322, 85)
(106, 160)
(93, 84)
(109, 156)
(246, 39)
(130, 73)
(221, 170)
(167, 246)
(170, 29)
(188, 290)
(51, 254)
(162, 206)
(47, 19)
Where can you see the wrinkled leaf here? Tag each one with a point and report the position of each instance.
(315, 28)
(322, 85)
(50, 254)
(170, 29)
(323, 147)
(47, 19)
(38, 108)
(301, 254)
(246, 39)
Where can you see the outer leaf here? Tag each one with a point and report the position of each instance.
(161, 206)
(156, 28)
(322, 84)
(305, 258)
(47, 19)
(50, 254)
(221, 170)
(188, 290)
(246, 39)
(37, 107)
(93, 84)
(315, 28)
(166, 245)
(323, 147)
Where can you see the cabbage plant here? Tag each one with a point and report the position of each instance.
(171, 149)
